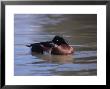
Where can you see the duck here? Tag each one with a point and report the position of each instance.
(58, 46)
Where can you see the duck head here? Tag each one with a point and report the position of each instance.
(59, 40)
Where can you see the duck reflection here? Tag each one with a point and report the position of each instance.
(55, 58)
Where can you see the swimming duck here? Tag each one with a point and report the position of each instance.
(58, 46)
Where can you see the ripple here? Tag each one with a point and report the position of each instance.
(83, 54)
(76, 67)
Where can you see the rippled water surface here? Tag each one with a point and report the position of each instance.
(79, 30)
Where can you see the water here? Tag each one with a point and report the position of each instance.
(79, 30)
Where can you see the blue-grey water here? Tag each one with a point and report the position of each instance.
(79, 30)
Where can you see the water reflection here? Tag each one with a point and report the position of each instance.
(55, 58)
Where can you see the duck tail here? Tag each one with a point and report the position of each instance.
(28, 45)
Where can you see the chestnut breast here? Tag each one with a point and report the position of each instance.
(63, 49)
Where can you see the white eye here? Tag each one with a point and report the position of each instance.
(57, 40)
